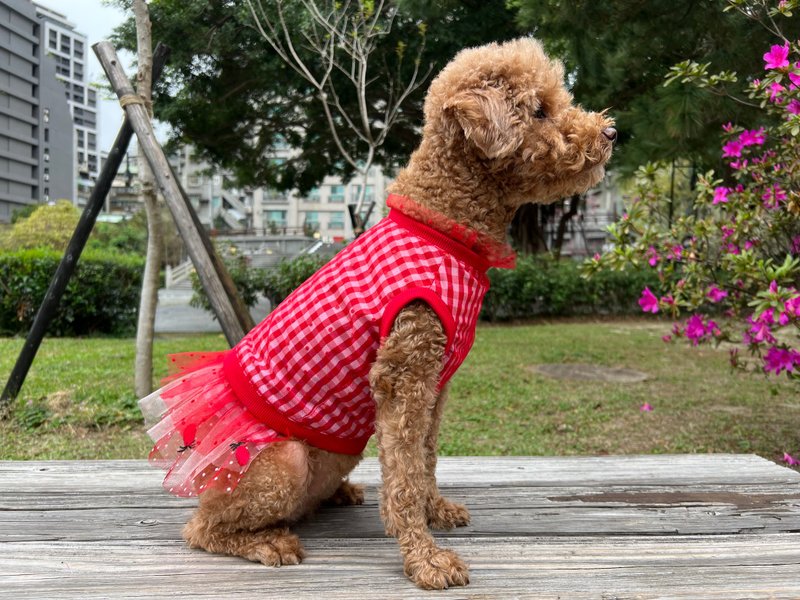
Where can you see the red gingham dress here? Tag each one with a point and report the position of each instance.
(303, 371)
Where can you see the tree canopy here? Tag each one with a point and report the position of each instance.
(618, 53)
(227, 93)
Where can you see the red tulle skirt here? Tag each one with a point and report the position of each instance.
(204, 436)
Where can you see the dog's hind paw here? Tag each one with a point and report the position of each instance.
(347, 494)
(276, 549)
(445, 514)
(436, 569)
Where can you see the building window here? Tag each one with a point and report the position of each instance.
(46, 115)
(313, 195)
(312, 218)
(337, 194)
(276, 218)
(53, 40)
(336, 221)
(92, 98)
(356, 190)
(46, 134)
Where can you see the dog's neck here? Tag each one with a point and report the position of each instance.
(459, 190)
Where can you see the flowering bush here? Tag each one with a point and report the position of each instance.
(730, 270)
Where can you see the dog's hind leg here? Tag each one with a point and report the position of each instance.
(404, 379)
(442, 513)
(286, 481)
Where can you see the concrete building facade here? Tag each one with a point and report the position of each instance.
(69, 49)
(36, 152)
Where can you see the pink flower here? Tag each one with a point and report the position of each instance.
(794, 76)
(648, 301)
(790, 460)
(773, 197)
(796, 244)
(733, 249)
(652, 256)
(646, 407)
(728, 127)
(760, 333)
(596, 256)
(774, 89)
(716, 295)
(777, 57)
(675, 253)
(721, 194)
(794, 106)
(666, 338)
(781, 359)
(754, 137)
(732, 148)
(738, 164)
(748, 244)
(727, 232)
(695, 330)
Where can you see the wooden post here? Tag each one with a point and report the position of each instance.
(182, 213)
(66, 267)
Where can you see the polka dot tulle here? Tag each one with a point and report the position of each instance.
(204, 437)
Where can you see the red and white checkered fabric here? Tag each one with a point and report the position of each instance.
(304, 369)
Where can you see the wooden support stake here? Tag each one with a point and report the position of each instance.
(58, 284)
(182, 212)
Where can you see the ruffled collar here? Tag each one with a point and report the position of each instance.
(496, 254)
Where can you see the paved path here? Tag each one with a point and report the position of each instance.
(174, 315)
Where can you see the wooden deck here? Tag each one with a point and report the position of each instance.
(689, 526)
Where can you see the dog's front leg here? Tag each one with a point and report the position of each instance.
(404, 379)
(442, 513)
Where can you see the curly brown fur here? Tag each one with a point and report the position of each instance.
(500, 131)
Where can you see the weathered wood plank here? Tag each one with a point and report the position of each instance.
(686, 469)
(692, 567)
(704, 526)
(513, 514)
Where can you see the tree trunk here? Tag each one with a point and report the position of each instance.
(148, 301)
(527, 229)
(566, 217)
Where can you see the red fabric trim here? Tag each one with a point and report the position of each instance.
(490, 252)
(428, 296)
(244, 390)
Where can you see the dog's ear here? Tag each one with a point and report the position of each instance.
(487, 120)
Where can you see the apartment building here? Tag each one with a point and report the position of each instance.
(322, 213)
(36, 135)
(69, 50)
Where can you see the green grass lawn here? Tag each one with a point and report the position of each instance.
(78, 401)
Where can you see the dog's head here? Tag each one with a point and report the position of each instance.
(504, 107)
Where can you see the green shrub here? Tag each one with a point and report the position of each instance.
(541, 286)
(289, 275)
(275, 284)
(101, 297)
(247, 280)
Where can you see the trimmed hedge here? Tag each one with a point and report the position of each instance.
(541, 286)
(101, 297)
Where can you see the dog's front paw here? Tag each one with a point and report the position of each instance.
(436, 569)
(445, 514)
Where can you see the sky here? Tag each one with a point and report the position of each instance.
(96, 20)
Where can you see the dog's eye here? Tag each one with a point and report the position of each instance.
(539, 114)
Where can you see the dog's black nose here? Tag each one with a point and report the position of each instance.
(610, 133)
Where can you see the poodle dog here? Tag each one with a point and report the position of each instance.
(266, 432)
